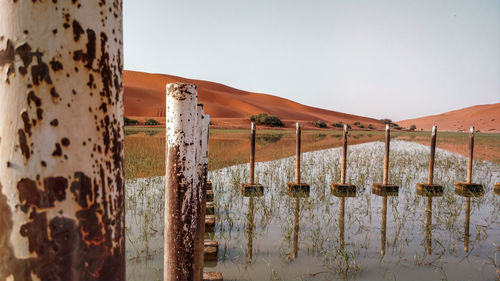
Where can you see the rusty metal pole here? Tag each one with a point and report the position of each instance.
(386, 156)
(202, 162)
(252, 153)
(384, 225)
(344, 156)
(297, 151)
(466, 225)
(62, 213)
(433, 152)
(181, 193)
(471, 155)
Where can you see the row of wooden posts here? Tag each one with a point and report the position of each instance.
(378, 188)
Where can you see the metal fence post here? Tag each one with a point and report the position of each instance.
(181, 193)
(61, 141)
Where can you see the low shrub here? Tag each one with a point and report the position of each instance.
(151, 122)
(338, 124)
(265, 119)
(370, 126)
(319, 124)
(413, 127)
(128, 121)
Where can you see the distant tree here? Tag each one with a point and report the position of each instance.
(370, 126)
(386, 121)
(319, 124)
(128, 121)
(151, 122)
(338, 124)
(265, 119)
(413, 127)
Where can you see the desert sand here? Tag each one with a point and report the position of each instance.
(228, 107)
(485, 118)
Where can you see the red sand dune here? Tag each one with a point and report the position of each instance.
(228, 107)
(485, 118)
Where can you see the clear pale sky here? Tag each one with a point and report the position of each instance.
(380, 59)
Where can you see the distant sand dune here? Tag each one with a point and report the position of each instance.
(485, 118)
(228, 107)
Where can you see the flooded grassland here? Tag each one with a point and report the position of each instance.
(320, 236)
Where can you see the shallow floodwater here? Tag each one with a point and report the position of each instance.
(279, 236)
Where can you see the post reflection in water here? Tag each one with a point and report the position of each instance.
(384, 226)
(468, 194)
(466, 225)
(296, 228)
(341, 222)
(250, 229)
(428, 226)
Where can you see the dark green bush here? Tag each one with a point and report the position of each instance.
(128, 121)
(413, 127)
(386, 121)
(268, 120)
(319, 124)
(357, 123)
(151, 122)
(370, 126)
(338, 124)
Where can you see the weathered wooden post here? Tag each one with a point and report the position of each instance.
(62, 211)
(469, 186)
(252, 187)
(298, 186)
(342, 186)
(430, 187)
(385, 186)
(181, 193)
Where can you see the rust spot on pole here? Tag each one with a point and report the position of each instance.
(386, 155)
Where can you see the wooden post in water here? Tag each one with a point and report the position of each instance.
(252, 187)
(385, 186)
(181, 193)
(430, 187)
(468, 186)
(62, 212)
(342, 187)
(298, 186)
